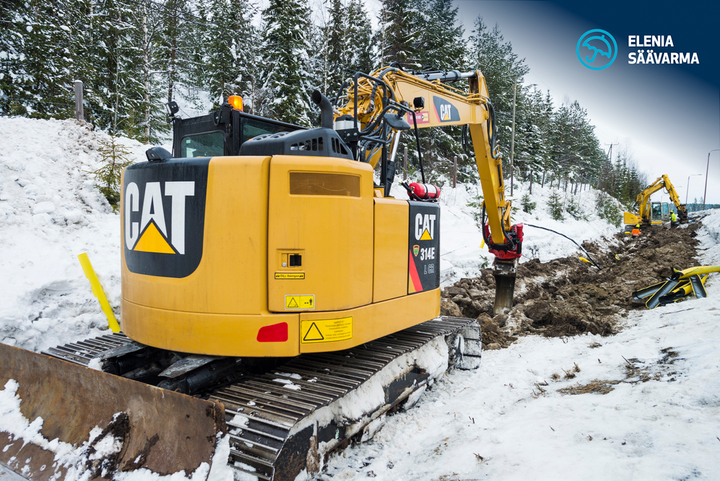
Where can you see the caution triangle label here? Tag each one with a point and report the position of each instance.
(153, 241)
(292, 304)
(426, 235)
(313, 334)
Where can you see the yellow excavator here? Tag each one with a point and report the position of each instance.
(272, 289)
(653, 213)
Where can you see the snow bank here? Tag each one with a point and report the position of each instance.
(50, 211)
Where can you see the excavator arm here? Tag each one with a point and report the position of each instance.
(427, 100)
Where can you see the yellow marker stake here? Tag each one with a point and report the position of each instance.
(482, 244)
(98, 291)
(584, 260)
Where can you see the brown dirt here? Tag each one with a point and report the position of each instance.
(566, 297)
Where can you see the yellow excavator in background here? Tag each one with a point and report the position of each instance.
(653, 213)
(270, 284)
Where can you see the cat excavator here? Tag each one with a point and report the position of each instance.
(653, 213)
(274, 294)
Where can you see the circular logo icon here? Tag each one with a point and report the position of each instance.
(596, 49)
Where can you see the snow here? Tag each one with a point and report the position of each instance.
(50, 211)
(510, 419)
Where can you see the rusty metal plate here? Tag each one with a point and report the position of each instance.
(163, 431)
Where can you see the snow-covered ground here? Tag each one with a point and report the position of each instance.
(642, 405)
(659, 419)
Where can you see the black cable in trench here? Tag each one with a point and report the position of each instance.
(571, 240)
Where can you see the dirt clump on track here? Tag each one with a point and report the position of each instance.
(566, 297)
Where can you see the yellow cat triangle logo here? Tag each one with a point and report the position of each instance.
(426, 235)
(153, 241)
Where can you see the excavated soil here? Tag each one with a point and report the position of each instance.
(566, 297)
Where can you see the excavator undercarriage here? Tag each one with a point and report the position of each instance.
(282, 416)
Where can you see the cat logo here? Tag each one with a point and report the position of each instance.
(445, 111)
(163, 216)
(151, 234)
(424, 226)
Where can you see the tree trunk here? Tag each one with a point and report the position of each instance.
(542, 184)
(146, 67)
(531, 181)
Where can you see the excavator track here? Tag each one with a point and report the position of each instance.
(289, 418)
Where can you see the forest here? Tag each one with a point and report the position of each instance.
(133, 56)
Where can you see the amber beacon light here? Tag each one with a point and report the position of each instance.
(236, 101)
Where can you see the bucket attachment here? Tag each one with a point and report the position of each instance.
(156, 429)
(504, 273)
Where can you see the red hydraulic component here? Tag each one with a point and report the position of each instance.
(511, 249)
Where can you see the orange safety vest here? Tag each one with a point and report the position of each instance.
(636, 232)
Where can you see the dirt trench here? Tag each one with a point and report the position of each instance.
(566, 297)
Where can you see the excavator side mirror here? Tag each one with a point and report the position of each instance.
(397, 121)
(156, 154)
(172, 108)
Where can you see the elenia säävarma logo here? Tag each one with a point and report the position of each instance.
(596, 49)
(163, 216)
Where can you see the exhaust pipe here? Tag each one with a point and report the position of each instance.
(326, 110)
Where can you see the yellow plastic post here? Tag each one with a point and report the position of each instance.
(98, 291)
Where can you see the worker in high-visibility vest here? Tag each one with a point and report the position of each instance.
(636, 231)
(673, 219)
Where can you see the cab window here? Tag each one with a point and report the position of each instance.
(202, 145)
(253, 128)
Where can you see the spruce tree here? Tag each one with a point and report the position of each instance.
(11, 42)
(502, 69)
(399, 33)
(227, 48)
(285, 46)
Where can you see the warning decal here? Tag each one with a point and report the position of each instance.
(300, 302)
(289, 275)
(326, 330)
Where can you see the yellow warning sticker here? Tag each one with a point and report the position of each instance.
(326, 330)
(300, 302)
(289, 275)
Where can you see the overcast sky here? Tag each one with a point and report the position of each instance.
(667, 116)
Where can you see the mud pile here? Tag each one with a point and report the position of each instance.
(567, 296)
